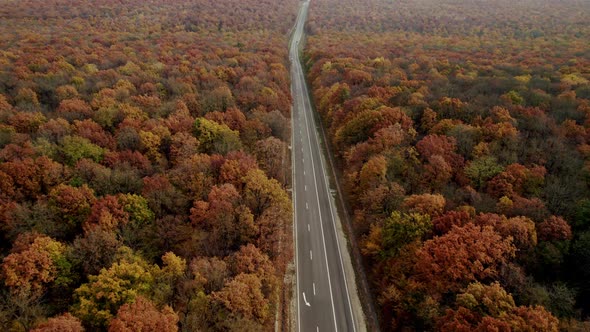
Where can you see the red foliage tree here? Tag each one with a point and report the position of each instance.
(72, 203)
(94, 133)
(463, 255)
(74, 109)
(490, 308)
(142, 315)
(31, 266)
(554, 228)
(62, 323)
(441, 145)
(107, 213)
(444, 223)
(228, 222)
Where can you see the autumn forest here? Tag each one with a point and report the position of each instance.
(145, 170)
(142, 162)
(462, 133)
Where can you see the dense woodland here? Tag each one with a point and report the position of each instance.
(143, 164)
(462, 131)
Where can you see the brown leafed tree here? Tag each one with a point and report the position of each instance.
(62, 323)
(463, 255)
(554, 228)
(429, 204)
(242, 297)
(32, 266)
(143, 316)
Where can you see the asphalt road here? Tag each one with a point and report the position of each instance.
(323, 299)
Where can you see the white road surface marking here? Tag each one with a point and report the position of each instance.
(304, 299)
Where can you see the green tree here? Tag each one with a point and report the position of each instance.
(75, 148)
(482, 169)
(137, 208)
(168, 277)
(98, 300)
(399, 230)
(216, 138)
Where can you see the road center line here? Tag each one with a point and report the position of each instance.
(314, 288)
(310, 255)
(308, 228)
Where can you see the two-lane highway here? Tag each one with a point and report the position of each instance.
(323, 299)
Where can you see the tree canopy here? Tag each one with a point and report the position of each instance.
(143, 156)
